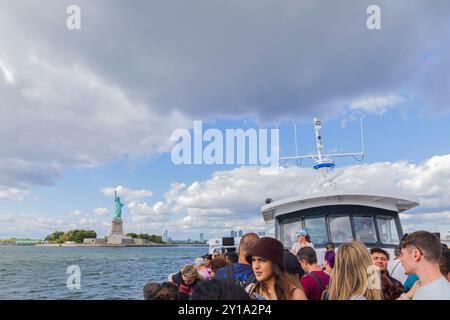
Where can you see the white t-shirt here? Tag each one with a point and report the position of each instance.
(296, 246)
(396, 270)
(439, 289)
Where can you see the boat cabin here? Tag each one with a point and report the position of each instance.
(339, 218)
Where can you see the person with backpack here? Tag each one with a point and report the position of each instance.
(241, 272)
(315, 281)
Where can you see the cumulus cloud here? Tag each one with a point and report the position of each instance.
(432, 221)
(169, 63)
(127, 194)
(6, 218)
(377, 105)
(31, 225)
(75, 213)
(12, 193)
(101, 212)
(141, 212)
(232, 199)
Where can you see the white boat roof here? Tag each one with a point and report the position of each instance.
(280, 207)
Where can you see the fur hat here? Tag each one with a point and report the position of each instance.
(270, 249)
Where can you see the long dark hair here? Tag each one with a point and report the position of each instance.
(308, 238)
(391, 290)
(283, 287)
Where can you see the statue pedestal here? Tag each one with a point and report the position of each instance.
(116, 237)
(117, 227)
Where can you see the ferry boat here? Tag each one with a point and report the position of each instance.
(330, 216)
(338, 218)
(229, 244)
(224, 244)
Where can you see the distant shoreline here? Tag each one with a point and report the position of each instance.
(78, 245)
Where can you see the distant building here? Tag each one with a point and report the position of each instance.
(165, 236)
(93, 241)
(202, 237)
(261, 234)
(240, 233)
(27, 242)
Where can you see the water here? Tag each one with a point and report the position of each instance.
(106, 273)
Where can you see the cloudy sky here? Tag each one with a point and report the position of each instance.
(85, 112)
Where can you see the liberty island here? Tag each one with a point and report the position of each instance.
(116, 236)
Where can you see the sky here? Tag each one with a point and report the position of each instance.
(88, 111)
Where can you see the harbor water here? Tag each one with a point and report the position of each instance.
(105, 273)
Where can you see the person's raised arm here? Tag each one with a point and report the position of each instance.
(410, 294)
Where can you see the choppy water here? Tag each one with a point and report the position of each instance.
(106, 273)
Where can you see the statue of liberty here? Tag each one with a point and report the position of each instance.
(118, 207)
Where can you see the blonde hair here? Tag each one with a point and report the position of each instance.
(294, 279)
(190, 272)
(199, 262)
(350, 276)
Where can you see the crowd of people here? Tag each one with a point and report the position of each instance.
(262, 269)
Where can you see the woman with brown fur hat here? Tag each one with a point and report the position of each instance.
(272, 282)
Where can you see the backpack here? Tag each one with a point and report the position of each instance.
(230, 277)
(315, 277)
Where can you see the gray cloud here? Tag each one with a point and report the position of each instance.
(136, 71)
(260, 58)
(236, 196)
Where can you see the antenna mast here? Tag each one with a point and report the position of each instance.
(324, 162)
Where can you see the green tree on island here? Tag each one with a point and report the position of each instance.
(55, 237)
(132, 235)
(70, 236)
(151, 238)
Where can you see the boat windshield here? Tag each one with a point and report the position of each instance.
(368, 227)
(340, 229)
(365, 229)
(289, 230)
(388, 230)
(317, 230)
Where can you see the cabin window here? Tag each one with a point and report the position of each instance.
(317, 230)
(365, 229)
(289, 230)
(340, 229)
(388, 230)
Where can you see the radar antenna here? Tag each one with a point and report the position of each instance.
(324, 163)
